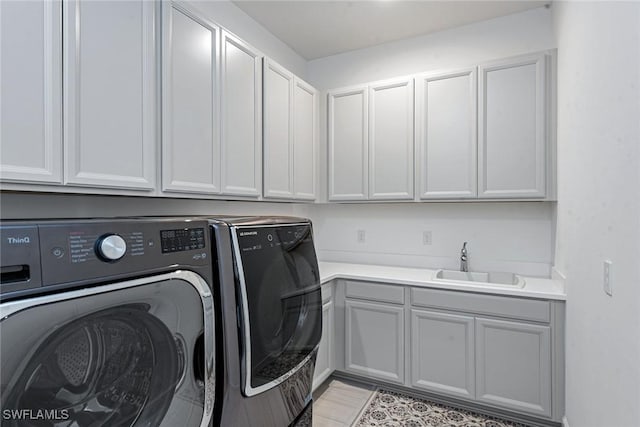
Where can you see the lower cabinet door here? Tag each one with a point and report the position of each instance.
(513, 365)
(374, 340)
(324, 359)
(442, 353)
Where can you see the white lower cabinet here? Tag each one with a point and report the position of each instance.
(324, 359)
(443, 353)
(452, 347)
(513, 365)
(374, 340)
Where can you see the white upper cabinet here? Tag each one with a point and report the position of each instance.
(110, 86)
(278, 131)
(31, 85)
(371, 142)
(305, 139)
(348, 142)
(190, 121)
(241, 114)
(391, 141)
(479, 132)
(289, 135)
(446, 134)
(512, 128)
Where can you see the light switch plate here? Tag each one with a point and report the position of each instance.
(607, 279)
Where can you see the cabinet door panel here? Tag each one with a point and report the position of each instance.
(512, 128)
(324, 360)
(513, 365)
(241, 118)
(446, 124)
(391, 140)
(110, 93)
(31, 86)
(348, 145)
(442, 353)
(278, 131)
(374, 340)
(305, 143)
(190, 143)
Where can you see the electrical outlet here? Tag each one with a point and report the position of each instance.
(426, 237)
(607, 282)
(361, 236)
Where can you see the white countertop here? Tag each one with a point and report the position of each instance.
(534, 287)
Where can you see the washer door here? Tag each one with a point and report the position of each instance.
(117, 355)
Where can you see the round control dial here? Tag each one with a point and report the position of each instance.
(111, 247)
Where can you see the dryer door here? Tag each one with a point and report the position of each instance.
(137, 353)
(280, 301)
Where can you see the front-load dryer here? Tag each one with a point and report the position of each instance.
(269, 288)
(107, 323)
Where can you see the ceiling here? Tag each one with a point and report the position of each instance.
(315, 29)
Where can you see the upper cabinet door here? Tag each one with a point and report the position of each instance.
(512, 128)
(110, 85)
(446, 131)
(278, 131)
(391, 142)
(348, 144)
(305, 113)
(241, 108)
(190, 122)
(31, 85)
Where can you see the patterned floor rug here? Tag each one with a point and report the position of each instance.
(390, 409)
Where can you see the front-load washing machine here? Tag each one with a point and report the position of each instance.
(269, 289)
(106, 323)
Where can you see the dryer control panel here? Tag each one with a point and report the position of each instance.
(45, 254)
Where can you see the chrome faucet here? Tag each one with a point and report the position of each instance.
(463, 258)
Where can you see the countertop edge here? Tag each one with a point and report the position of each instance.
(554, 289)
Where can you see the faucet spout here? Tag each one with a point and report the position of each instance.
(463, 258)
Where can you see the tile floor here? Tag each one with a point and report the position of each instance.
(338, 402)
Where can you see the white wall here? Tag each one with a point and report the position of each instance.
(228, 15)
(599, 207)
(515, 34)
(34, 206)
(502, 236)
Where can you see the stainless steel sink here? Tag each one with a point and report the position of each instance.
(480, 278)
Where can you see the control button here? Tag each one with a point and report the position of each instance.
(57, 252)
(111, 247)
(270, 237)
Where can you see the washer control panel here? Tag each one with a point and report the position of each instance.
(48, 253)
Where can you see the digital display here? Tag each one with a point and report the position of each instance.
(183, 239)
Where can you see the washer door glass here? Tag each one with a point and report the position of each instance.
(122, 358)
